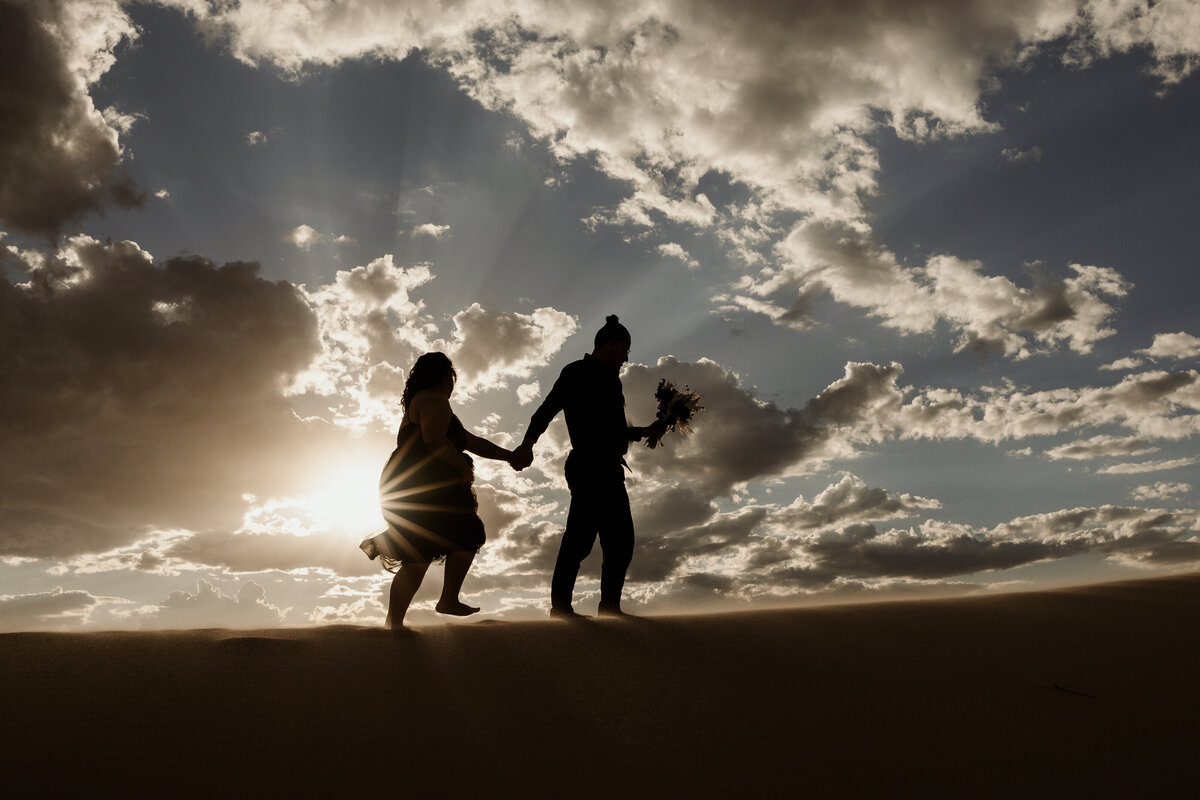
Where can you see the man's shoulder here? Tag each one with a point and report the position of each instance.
(576, 368)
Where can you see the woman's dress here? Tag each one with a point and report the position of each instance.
(429, 509)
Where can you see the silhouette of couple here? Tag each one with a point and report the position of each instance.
(430, 506)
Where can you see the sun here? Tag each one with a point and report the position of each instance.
(347, 500)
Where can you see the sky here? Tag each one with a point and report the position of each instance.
(931, 264)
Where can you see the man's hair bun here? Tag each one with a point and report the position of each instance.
(613, 329)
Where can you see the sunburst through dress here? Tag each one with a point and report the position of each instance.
(430, 511)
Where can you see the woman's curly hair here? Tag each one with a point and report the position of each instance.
(429, 371)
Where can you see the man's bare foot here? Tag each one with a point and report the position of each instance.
(455, 608)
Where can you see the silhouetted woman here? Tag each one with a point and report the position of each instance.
(426, 495)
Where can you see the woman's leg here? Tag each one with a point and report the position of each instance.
(404, 586)
(457, 565)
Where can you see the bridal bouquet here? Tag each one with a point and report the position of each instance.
(676, 408)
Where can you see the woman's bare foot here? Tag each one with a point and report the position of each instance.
(455, 608)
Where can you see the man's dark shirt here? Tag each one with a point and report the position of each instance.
(590, 394)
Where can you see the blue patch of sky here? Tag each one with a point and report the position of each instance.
(370, 150)
(1113, 184)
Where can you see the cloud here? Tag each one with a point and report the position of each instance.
(1018, 156)
(241, 552)
(363, 611)
(1147, 466)
(304, 237)
(1099, 446)
(1122, 364)
(670, 508)
(528, 392)
(431, 230)
(209, 607)
(849, 500)
(172, 385)
(1153, 405)
(59, 155)
(681, 531)
(1173, 345)
(370, 329)
(51, 609)
(490, 349)
(739, 438)
(175, 384)
(674, 250)
(786, 106)
(989, 313)
(146, 555)
(937, 550)
(1166, 345)
(1160, 490)
(747, 555)
(1167, 30)
(771, 549)
(161, 380)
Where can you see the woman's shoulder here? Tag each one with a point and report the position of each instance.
(427, 400)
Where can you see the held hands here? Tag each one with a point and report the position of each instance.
(522, 456)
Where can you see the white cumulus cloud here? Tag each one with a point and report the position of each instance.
(431, 230)
(1160, 490)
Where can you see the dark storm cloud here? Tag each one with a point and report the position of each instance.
(135, 393)
(58, 156)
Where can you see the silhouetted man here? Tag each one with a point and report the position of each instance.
(589, 392)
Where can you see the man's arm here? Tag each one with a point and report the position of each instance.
(522, 455)
(554, 403)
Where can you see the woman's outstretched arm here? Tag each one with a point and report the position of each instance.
(485, 449)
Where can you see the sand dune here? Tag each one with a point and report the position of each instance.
(1091, 691)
